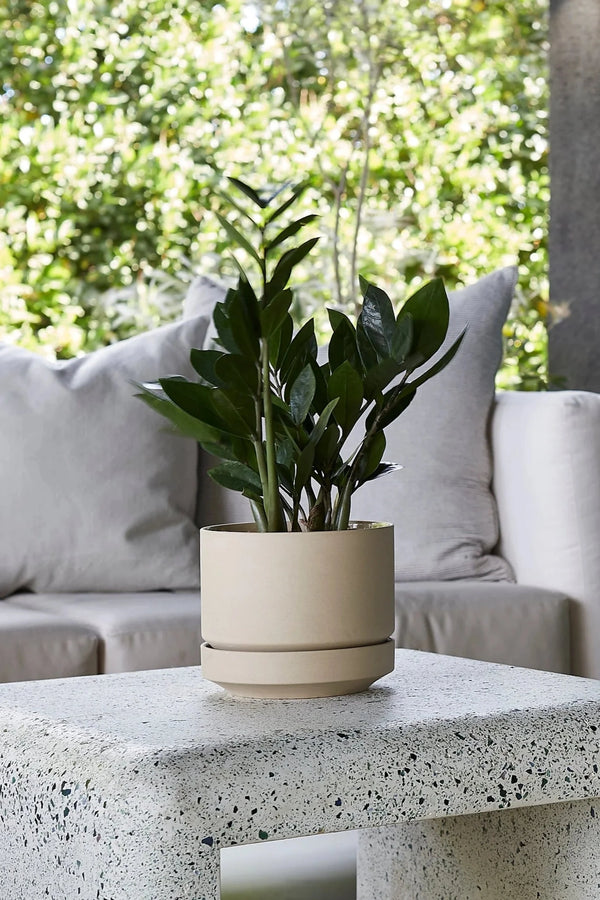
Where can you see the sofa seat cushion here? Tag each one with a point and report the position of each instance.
(36, 644)
(497, 622)
(135, 631)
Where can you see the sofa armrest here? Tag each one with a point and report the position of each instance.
(546, 451)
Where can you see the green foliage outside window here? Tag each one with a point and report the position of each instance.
(422, 126)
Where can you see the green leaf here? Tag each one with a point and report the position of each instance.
(303, 345)
(322, 422)
(236, 411)
(285, 338)
(238, 238)
(346, 384)
(378, 378)
(273, 315)
(236, 477)
(301, 394)
(290, 230)
(285, 452)
(249, 192)
(342, 344)
(304, 467)
(237, 373)
(222, 450)
(368, 354)
(321, 374)
(394, 404)
(297, 192)
(378, 319)
(231, 202)
(186, 424)
(384, 468)
(223, 328)
(245, 292)
(286, 263)
(243, 328)
(285, 477)
(430, 313)
(328, 448)
(193, 398)
(203, 362)
(402, 338)
(370, 456)
(440, 364)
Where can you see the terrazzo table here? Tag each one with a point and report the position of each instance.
(124, 787)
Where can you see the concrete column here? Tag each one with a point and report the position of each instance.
(574, 343)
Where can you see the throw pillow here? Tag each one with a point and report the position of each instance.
(441, 502)
(97, 494)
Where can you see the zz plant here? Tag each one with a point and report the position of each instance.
(277, 417)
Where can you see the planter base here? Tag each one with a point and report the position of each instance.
(297, 674)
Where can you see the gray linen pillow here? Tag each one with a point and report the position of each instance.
(441, 503)
(96, 493)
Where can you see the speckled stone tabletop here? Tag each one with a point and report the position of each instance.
(123, 787)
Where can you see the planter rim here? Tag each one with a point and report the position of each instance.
(250, 528)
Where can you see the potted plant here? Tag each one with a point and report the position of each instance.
(300, 602)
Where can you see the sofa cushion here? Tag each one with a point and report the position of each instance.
(441, 504)
(97, 493)
(135, 631)
(499, 622)
(547, 481)
(39, 645)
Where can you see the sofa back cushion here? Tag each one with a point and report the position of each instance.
(96, 492)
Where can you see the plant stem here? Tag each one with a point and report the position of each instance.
(273, 508)
(259, 515)
(342, 518)
(260, 456)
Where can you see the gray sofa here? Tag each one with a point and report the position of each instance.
(546, 484)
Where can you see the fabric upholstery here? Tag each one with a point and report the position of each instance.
(39, 645)
(98, 494)
(135, 631)
(514, 624)
(201, 297)
(547, 483)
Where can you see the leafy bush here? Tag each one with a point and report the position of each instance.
(421, 124)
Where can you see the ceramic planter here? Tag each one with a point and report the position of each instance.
(297, 614)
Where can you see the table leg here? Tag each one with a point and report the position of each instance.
(209, 879)
(163, 881)
(516, 854)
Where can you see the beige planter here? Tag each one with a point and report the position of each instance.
(297, 614)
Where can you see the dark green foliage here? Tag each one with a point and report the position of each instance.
(278, 419)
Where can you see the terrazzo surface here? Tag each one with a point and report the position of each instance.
(534, 853)
(130, 783)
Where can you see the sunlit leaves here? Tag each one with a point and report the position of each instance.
(131, 118)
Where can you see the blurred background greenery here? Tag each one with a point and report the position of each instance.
(422, 124)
